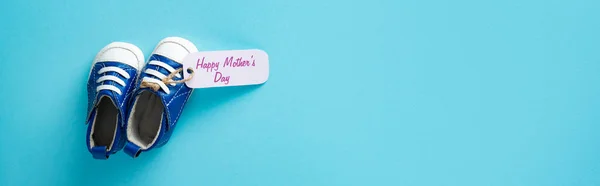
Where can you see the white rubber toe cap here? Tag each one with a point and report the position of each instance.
(175, 48)
(122, 52)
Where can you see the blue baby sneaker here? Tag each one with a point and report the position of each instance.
(110, 85)
(159, 100)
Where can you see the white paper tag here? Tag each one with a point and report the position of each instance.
(226, 68)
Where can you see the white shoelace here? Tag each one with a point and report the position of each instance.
(160, 77)
(111, 78)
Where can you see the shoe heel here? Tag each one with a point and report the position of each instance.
(132, 150)
(99, 152)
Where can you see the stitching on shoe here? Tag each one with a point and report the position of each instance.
(128, 90)
(94, 88)
(179, 96)
(181, 109)
(180, 87)
(126, 96)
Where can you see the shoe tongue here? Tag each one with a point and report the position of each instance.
(158, 92)
(160, 95)
(113, 99)
(105, 93)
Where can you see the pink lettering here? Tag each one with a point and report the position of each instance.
(228, 61)
(220, 78)
(198, 64)
(212, 66)
(239, 62)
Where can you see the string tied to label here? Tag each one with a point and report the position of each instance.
(168, 80)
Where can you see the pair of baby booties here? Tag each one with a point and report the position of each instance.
(132, 104)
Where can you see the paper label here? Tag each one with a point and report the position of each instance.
(226, 68)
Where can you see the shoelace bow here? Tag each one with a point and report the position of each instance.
(152, 84)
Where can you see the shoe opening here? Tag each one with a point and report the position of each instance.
(105, 123)
(145, 120)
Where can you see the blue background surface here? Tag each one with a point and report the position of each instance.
(429, 92)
